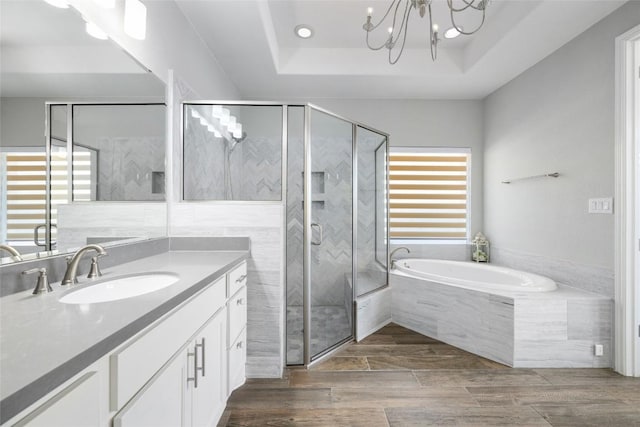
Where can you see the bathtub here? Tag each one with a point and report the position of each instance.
(508, 316)
(472, 275)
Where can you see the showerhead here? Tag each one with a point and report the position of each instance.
(237, 140)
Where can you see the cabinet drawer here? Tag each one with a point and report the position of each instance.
(237, 361)
(237, 278)
(133, 365)
(76, 405)
(237, 314)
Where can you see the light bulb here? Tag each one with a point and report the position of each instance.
(390, 30)
(224, 118)
(369, 11)
(435, 28)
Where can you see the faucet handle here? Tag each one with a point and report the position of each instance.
(42, 285)
(94, 270)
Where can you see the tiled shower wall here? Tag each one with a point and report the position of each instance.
(126, 166)
(255, 163)
(332, 205)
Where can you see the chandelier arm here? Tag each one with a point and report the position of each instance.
(374, 47)
(433, 42)
(385, 15)
(468, 4)
(405, 25)
(459, 28)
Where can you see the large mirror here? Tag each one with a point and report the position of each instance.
(58, 81)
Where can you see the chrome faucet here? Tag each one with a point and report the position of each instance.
(15, 255)
(72, 268)
(393, 261)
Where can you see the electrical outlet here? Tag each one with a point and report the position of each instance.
(598, 350)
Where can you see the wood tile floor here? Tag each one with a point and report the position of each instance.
(397, 377)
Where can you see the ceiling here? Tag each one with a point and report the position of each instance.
(254, 42)
(45, 52)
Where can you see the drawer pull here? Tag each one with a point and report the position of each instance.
(239, 345)
(241, 278)
(195, 367)
(240, 301)
(202, 347)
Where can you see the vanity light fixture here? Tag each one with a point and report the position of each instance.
(94, 31)
(224, 117)
(135, 19)
(216, 111)
(303, 31)
(62, 4)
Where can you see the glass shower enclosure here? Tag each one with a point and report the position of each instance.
(334, 190)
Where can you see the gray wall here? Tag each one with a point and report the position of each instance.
(557, 116)
(428, 123)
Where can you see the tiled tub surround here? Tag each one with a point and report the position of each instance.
(45, 342)
(527, 330)
(588, 278)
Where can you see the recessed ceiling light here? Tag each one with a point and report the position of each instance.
(452, 33)
(303, 31)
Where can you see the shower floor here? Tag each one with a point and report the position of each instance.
(329, 325)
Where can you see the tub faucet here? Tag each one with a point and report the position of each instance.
(15, 255)
(72, 268)
(393, 261)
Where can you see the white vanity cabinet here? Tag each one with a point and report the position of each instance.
(237, 336)
(205, 384)
(199, 378)
(189, 390)
(178, 371)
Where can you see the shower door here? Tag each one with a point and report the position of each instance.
(328, 223)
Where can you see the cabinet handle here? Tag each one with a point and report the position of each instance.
(195, 367)
(239, 345)
(239, 301)
(202, 347)
(241, 278)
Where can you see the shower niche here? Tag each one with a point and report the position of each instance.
(330, 175)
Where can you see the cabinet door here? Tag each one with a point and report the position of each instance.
(208, 398)
(160, 402)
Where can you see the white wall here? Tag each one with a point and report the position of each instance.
(558, 116)
(428, 123)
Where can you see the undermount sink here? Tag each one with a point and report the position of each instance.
(120, 288)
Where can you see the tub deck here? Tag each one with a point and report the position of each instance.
(556, 329)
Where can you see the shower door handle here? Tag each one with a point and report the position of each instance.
(319, 227)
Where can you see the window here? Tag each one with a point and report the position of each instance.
(26, 190)
(428, 193)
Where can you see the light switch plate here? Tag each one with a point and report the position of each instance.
(603, 205)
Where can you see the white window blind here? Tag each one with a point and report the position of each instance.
(26, 190)
(428, 197)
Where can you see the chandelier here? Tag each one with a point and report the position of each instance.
(397, 31)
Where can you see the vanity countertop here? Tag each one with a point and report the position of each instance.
(45, 342)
